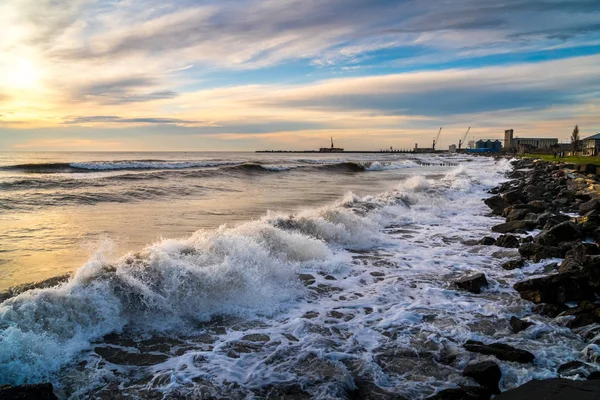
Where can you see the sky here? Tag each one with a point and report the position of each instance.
(160, 75)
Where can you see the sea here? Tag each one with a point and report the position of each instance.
(252, 275)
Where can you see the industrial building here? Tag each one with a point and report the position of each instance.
(591, 145)
(486, 146)
(522, 144)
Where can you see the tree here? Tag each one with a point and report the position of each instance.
(575, 142)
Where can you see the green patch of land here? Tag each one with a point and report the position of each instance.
(570, 160)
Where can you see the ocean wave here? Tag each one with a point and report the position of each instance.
(95, 166)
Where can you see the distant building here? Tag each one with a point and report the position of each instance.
(591, 145)
(523, 144)
(488, 144)
(331, 149)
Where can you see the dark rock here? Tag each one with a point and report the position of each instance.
(487, 241)
(586, 313)
(307, 279)
(574, 368)
(537, 206)
(40, 391)
(554, 389)
(121, 357)
(496, 203)
(513, 196)
(513, 226)
(472, 283)
(366, 390)
(549, 310)
(486, 373)
(283, 392)
(591, 205)
(519, 325)
(508, 241)
(501, 351)
(538, 252)
(557, 288)
(256, 337)
(594, 376)
(513, 264)
(569, 264)
(564, 232)
(516, 214)
(463, 393)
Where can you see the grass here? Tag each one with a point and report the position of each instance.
(572, 160)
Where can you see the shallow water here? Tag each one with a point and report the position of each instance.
(330, 289)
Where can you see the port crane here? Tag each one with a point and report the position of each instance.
(436, 139)
(462, 141)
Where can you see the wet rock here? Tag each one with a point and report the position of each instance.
(291, 337)
(335, 314)
(586, 313)
(508, 241)
(516, 214)
(256, 337)
(496, 203)
(554, 389)
(487, 241)
(537, 206)
(284, 392)
(366, 390)
(310, 315)
(513, 226)
(40, 391)
(307, 279)
(377, 274)
(591, 205)
(594, 376)
(557, 288)
(463, 393)
(501, 351)
(575, 368)
(537, 252)
(519, 325)
(330, 278)
(472, 283)
(549, 310)
(486, 373)
(117, 356)
(513, 264)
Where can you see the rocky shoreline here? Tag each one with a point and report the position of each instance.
(552, 214)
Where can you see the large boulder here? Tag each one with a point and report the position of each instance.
(501, 351)
(40, 391)
(557, 288)
(496, 203)
(487, 241)
(486, 373)
(513, 196)
(515, 214)
(564, 232)
(472, 283)
(554, 389)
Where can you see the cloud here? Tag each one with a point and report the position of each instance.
(103, 119)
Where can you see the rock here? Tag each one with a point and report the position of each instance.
(513, 264)
(330, 278)
(549, 310)
(486, 373)
(119, 356)
(487, 241)
(519, 325)
(591, 205)
(307, 279)
(554, 389)
(366, 390)
(516, 214)
(463, 393)
(256, 337)
(557, 288)
(538, 252)
(513, 196)
(564, 232)
(472, 283)
(496, 203)
(594, 376)
(513, 226)
(501, 351)
(586, 313)
(508, 241)
(40, 391)
(537, 206)
(575, 368)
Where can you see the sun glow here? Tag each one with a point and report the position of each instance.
(21, 74)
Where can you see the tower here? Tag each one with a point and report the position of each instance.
(508, 138)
